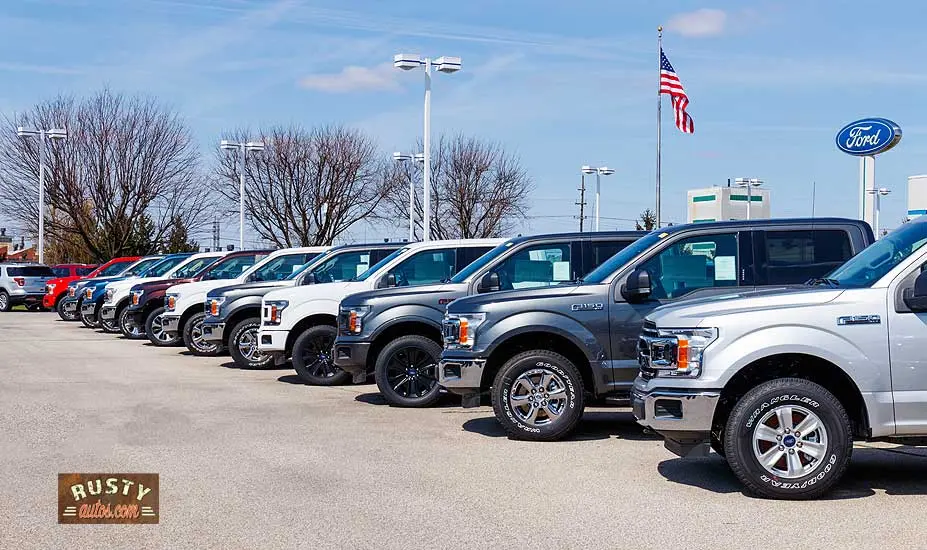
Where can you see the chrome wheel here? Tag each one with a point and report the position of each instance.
(790, 441)
(538, 397)
(248, 345)
(157, 330)
(196, 337)
(128, 326)
(4, 301)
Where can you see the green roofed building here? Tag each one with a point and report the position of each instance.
(715, 204)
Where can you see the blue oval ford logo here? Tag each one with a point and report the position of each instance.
(869, 136)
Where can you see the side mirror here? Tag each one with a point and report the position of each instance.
(310, 279)
(387, 281)
(916, 297)
(489, 283)
(637, 287)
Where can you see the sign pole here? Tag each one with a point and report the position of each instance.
(659, 120)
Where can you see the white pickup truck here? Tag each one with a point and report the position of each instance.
(301, 322)
(113, 312)
(184, 304)
(782, 382)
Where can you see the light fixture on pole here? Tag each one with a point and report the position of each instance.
(876, 196)
(243, 148)
(419, 158)
(600, 171)
(749, 183)
(54, 134)
(443, 64)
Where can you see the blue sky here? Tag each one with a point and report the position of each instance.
(561, 83)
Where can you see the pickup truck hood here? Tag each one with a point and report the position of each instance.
(254, 289)
(479, 302)
(160, 284)
(328, 291)
(126, 284)
(689, 313)
(200, 287)
(396, 293)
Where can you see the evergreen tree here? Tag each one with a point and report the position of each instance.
(178, 238)
(647, 221)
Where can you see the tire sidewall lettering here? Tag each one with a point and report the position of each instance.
(506, 392)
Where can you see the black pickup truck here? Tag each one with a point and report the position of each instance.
(543, 354)
(396, 332)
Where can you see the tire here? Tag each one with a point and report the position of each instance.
(86, 320)
(128, 327)
(517, 390)
(65, 316)
(312, 357)
(243, 343)
(5, 303)
(193, 338)
(745, 442)
(108, 326)
(157, 336)
(406, 371)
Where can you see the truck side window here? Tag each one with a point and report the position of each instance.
(425, 267)
(697, 262)
(596, 252)
(535, 266)
(795, 256)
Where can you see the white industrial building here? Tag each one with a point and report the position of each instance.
(728, 203)
(917, 196)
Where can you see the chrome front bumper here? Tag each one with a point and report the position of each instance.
(213, 332)
(170, 324)
(463, 378)
(108, 312)
(682, 417)
(70, 305)
(88, 309)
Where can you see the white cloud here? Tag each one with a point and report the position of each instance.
(354, 79)
(699, 23)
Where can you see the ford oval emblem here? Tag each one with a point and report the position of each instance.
(869, 136)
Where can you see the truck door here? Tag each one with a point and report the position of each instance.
(907, 333)
(684, 267)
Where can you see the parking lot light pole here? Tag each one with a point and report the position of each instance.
(419, 158)
(749, 183)
(876, 195)
(444, 64)
(599, 172)
(242, 148)
(54, 134)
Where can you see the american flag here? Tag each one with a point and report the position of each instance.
(670, 84)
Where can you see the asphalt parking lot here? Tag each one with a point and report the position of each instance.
(255, 459)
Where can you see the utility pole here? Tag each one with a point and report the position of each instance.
(582, 201)
(215, 234)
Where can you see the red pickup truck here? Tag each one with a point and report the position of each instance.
(55, 289)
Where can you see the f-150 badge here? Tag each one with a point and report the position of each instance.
(859, 320)
(587, 307)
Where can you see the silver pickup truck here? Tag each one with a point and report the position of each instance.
(781, 382)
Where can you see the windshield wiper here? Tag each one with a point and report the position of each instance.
(833, 283)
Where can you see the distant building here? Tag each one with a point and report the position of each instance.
(715, 204)
(23, 255)
(917, 196)
(6, 243)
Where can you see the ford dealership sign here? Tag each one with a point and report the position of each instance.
(869, 136)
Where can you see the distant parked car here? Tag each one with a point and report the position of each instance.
(56, 290)
(23, 284)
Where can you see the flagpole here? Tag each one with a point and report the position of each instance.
(659, 115)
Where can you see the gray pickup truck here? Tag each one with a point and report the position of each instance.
(780, 383)
(544, 353)
(396, 332)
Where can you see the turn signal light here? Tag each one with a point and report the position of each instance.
(463, 330)
(352, 322)
(682, 354)
(214, 308)
(20, 281)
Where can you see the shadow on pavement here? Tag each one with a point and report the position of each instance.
(896, 471)
(291, 379)
(236, 366)
(375, 398)
(595, 425)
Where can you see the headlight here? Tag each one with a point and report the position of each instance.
(50, 288)
(137, 296)
(273, 311)
(460, 329)
(88, 293)
(109, 295)
(675, 351)
(170, 302)
(213, 305)
(72, 291)
(351, 320)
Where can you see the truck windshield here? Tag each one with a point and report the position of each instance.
(345, 266)
(311, 265)
(619, 260)
(139, 267)
(376, 267)
(191, 268)
(481, 262)
(870, 265)
(115, 268)
(280, 267)
(164, 266)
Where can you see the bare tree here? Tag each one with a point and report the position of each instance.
(478, 190)
(647, 221)
(308, 186)
(126, 158)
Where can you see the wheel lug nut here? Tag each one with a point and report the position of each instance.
(779, 437)
(791, 451)
(781, 448)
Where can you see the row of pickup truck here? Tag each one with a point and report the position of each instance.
(542, 326)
